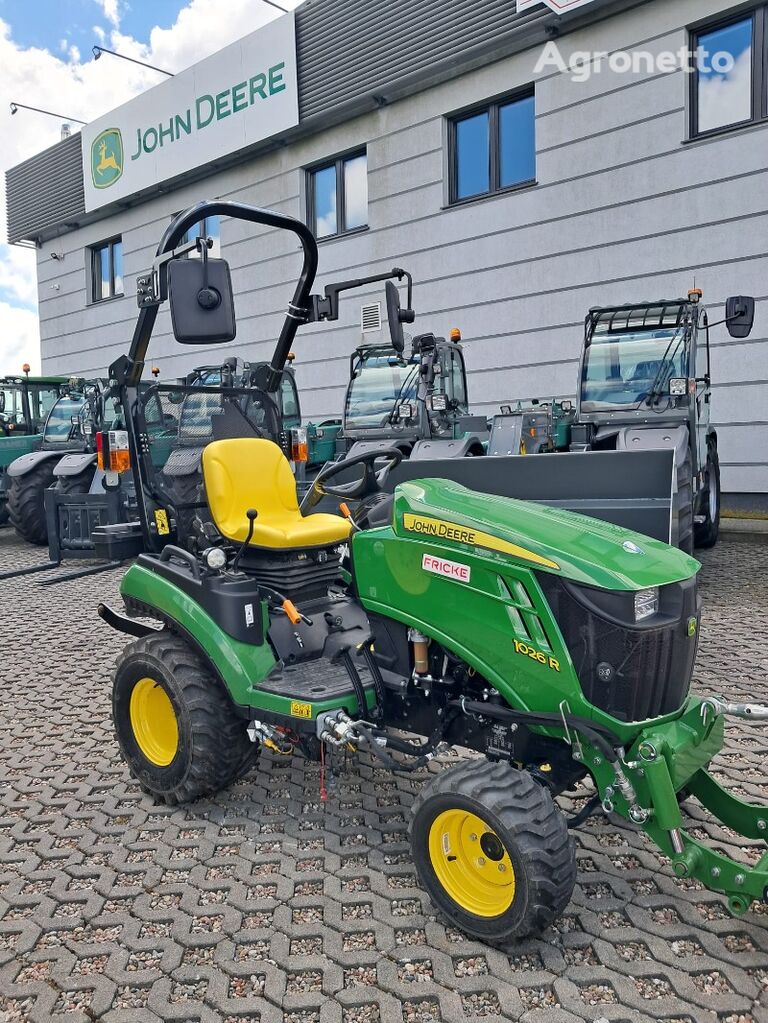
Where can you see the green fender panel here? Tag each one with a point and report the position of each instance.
(241, 666)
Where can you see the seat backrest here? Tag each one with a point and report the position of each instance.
(244, 473)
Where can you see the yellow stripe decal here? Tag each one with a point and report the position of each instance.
(464, 534)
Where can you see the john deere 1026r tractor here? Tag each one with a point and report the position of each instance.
(555, 645)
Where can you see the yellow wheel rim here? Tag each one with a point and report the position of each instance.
(153, 721)
(471, 863)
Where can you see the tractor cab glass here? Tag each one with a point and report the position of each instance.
(11, 406)
(65, 420)
(381, 384)
(624, 370)
(289, 401)
(41, 401)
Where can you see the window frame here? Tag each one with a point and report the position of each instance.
(337, 163)
(215, 252)
(95, 270)
(492, 108)
(759, 93)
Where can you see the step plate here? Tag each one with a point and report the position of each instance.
(314, 682)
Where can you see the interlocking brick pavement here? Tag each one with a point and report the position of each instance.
(266, 903)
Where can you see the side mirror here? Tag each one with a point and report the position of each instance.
(396, 317)
(740, 315)
(201, 301)
(2, 401)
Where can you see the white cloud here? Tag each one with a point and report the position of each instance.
(86, 89)
(111, 9)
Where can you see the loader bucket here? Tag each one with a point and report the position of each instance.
(633, 489)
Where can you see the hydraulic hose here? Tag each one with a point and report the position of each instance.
(600, 737)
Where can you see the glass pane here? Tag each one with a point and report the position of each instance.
(102, 256)
(117, 262)
(326, 220)
(212, 229)
(517, 142)
(289, 397)
(457, 374)
(356, 191)
(472, 156)
(725, 76)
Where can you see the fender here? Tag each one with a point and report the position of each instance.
(654, 438)
(240, 666)
(74, 464)
(459, 448)
(27, 463)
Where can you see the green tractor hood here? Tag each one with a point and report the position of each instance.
(585, 550)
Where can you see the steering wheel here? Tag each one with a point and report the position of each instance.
(371, 483)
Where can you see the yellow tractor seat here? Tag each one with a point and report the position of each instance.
(251, 473)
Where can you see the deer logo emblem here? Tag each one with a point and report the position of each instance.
(107, 158)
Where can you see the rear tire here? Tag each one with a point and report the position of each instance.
(708, 531)
(3, 513)
(507, 881)
(26, 503)
(178, 730)
(186, 490)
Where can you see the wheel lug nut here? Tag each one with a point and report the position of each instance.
(502, 868)
(473, 838)
(481, 862)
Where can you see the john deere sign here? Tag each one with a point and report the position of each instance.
(239, 96)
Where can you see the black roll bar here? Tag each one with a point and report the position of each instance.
(128, 369)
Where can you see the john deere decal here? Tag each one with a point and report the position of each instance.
(107, 158)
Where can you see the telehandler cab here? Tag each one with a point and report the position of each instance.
(555, 645)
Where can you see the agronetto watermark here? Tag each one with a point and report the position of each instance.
(581, 65)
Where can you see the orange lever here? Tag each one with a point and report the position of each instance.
(290, 609)
(344, 509)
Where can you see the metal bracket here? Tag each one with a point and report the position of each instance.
(571, 738)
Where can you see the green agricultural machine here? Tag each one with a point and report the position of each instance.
(644, 386)
(25, 402)
(65, 457)
(556, 646)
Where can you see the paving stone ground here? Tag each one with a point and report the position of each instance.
(267, 903)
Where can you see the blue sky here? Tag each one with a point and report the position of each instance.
(44, 23)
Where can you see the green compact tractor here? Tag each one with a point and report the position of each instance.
(554, 645)
(24, 404)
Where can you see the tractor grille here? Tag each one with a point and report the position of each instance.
(630, 672)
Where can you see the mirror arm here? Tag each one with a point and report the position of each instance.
(326, 307)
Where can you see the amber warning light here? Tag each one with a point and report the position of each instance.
(112, 451)
(299, 445)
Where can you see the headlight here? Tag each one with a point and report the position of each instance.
(439, 403)
(215, 558)
(406, 410)
(678, 386)
(646, 603)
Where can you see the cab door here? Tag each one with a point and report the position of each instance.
(290, 409)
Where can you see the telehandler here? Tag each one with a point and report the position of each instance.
(555, 645)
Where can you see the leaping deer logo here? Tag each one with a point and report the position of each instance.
(105, 162)
(107, 158)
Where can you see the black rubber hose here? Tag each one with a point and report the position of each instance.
(601, 738)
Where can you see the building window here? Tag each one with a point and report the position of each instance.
(208, 227)
(338, 196)
(107, 270)
(492, 149)
(728, 86)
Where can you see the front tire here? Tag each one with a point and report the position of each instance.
(683, 506)
(708, 531)
(178, 730)
(493, 851)
(79, 484)
(26, 503)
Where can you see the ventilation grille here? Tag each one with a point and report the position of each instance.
(370, 317)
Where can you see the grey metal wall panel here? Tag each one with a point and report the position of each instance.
(46, 189)
(348, 49)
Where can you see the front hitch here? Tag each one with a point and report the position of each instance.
(675, 756)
